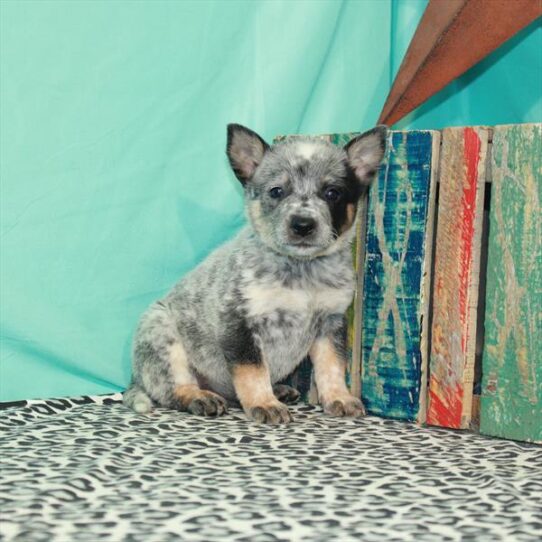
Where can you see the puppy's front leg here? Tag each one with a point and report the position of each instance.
(253, 388)
(250, 373)
(329, 361)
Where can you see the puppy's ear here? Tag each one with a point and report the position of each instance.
(365, 152)
(245, 151)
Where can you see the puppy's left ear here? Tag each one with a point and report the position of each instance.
(366, 151)
(245, 151)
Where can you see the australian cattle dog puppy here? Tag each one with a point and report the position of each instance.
(242, 320)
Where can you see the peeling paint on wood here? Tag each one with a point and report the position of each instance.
(511, 402)
(397, 271)
(456, 278)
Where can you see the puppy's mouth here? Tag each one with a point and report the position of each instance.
(307, 246)
(303, 249)
(303, 245)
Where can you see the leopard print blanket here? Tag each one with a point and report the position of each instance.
(89, 470)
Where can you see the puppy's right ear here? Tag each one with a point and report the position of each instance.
(245, 151)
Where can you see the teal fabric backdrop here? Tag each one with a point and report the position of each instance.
(114, 180)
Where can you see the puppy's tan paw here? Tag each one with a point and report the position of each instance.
(273, 414)
(208, 404)
(345, 406)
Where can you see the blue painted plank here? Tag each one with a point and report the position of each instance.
(396, 277)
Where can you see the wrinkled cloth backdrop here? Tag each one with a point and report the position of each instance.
(113, 174)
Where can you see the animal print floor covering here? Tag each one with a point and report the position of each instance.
(90, 470)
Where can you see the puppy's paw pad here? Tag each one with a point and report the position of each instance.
(286, 394)
(209, 404)
(275, 414)
(349, 406)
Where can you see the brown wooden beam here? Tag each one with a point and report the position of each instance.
(452, 36)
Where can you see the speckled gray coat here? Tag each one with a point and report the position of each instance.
(266, 296)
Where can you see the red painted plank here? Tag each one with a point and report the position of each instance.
(457, 264)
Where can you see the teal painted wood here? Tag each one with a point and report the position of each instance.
(511, 402)
(396, 277)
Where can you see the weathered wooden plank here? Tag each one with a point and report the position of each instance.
(397, 272)
(511, 402)
(456, 278)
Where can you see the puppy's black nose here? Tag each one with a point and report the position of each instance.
(302, 225)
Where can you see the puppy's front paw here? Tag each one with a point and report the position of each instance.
(208, 404)
(274, 414)
(345, 406)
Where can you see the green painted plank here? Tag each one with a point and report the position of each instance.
(511, 402)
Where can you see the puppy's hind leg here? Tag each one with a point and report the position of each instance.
(162, 369)
(186, 393)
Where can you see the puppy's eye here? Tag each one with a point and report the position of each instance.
(332, 194)
(276, 192)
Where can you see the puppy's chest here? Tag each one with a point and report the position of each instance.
(287, 320)
(280, 305)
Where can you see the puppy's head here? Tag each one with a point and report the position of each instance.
(302, 194)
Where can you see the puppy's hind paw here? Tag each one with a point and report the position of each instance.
(274, 414)
(345, 406)
(208, 404)
(286, 394)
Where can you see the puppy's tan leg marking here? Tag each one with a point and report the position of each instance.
(253, 388)
(187, 394)
(329, 373)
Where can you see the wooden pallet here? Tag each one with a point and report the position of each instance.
(399, 330)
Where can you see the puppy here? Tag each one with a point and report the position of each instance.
(242, 320)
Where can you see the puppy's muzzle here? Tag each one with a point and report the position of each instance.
(302, 226)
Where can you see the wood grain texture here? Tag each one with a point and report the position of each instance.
(397, 271)
(511, 402)
(456, 278)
